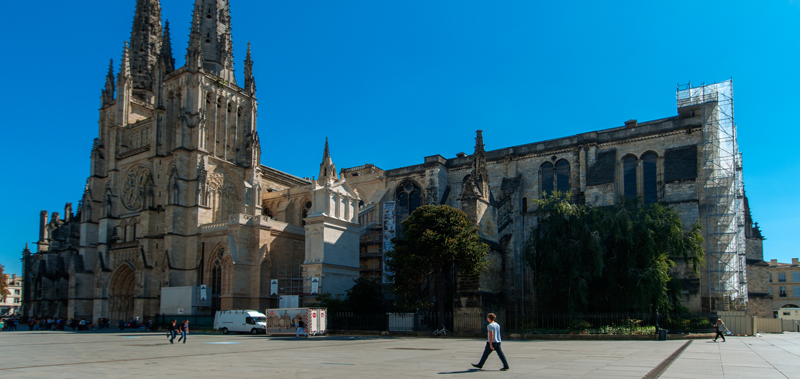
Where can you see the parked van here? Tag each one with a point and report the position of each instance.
(241, 321)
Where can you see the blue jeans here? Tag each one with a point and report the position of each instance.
(183, 336)
(172, 336)
(300, 330)
(487, 351)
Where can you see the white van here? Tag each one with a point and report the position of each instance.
(241, 321)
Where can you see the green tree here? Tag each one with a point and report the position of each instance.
(365, 296)
(334, 304)
(434, 237)
(3, 283)
(616, 258)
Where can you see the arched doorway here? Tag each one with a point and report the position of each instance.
(121, 293)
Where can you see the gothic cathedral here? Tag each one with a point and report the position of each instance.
(177, 196)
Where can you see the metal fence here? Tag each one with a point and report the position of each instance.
(612, 323)
(543, 323)
(357, 321)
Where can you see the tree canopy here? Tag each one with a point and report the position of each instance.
(434, 238)
(3, 283)
(618, 258)
(365, 296)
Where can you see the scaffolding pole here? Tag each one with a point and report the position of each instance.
(723, 193)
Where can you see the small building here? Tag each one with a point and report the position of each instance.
(784, 282)
(11, 304)
(792, 313)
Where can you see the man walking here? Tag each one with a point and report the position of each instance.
(184, 328)
(493, 344)
(301, 326)
(171, 331)
(718, 327)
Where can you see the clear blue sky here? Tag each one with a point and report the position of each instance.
(390, 82)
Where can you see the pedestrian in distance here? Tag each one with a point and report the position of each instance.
(301, 326)
(2, 325)
(493, 344)
(171, 332)
(184, 331)
(718, 328)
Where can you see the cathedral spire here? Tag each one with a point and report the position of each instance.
(108, 91)
(479, 168)
(327, 170)
(479, 142)
(476, 184)
(145, 43)
(125, 65)
(215, 31)
(124, 84)
(249, 80)
(194, 53)
(166, 51)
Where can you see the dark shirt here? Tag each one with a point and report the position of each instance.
(301, 324)
(171, 327)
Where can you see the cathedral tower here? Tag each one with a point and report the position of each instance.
(214, 25)
(332, 231)
(145, 47)
(176, 150)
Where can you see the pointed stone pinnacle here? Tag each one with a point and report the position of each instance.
(111, 67)
(125, 65)
(479, 141)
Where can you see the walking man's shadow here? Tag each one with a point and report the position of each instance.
(460, 372)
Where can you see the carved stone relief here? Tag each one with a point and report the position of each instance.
(134, 186)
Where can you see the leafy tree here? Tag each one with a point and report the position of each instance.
(589, 258)
(334, 304)
(434, 238)
(365, 296)
(3, 283)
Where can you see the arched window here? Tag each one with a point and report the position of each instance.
(629, 176)
(216, 279)
(211, 122)
(524, 205)
(219, 148)
(409, 198)
(562, 176)
(650, 178)
(547, 179)
(304, 212)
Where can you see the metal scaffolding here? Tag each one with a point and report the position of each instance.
(723, 192)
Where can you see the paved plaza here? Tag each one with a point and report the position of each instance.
(49, 354)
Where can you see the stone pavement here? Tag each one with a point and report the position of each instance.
(114, 354)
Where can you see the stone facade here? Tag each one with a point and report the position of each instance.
(758, 282)
(174, 192)
(177, 196)
(784, 284)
